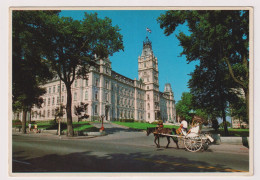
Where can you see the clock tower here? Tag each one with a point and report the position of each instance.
(148, 74)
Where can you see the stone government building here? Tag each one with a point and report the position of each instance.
(113, 95)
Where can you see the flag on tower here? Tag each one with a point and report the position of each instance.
(149, 30)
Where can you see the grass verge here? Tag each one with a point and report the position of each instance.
(140, 125)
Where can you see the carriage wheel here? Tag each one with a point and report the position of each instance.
(193, 142)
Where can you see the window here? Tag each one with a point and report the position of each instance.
(96, 95)
(86, 95)
(52, 112)
(53, 100)
(144, 64)
(62, 89)
(43, 113)
(49, 90)
(58, 100)
(148, 106)
(107, 85)
(95, 110)
(96, 82)
(147, 87)
(75, 96)
(148, 115)
(44, 102)
(106, 97)
(48, 113)
(86, 82)
(49, 101)
(76, 83)
(62, 98)
(58, 89)
(53, 89)
(148, 97)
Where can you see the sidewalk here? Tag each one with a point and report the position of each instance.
(230, 148)
(52, 134)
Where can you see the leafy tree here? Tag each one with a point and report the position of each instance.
(28, 69)
(71, 47)
(81, 109)
(238, 109)
(222, 124)
(183, 107)
(219, 40)
(215, 124)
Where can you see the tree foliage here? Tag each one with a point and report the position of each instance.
(72, 46)
(28, 69)
(185, 106)
(81, 108)
(219, 40)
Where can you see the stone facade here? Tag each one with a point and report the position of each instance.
(113, 95)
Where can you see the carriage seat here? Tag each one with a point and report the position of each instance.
(195, 129)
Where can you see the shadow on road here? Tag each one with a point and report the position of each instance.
(132, 162)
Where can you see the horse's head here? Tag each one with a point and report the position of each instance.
(149, 131)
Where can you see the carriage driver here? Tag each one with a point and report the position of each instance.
(183, 126)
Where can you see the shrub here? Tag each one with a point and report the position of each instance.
(126, 120)
(155, 122)
(222, 124)
(15, 121)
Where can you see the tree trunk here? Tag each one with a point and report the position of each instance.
(247, 103)
(30, 119)
(24, 122)
(224, 122)
(68, 111)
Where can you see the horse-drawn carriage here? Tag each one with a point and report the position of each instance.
(193, 139)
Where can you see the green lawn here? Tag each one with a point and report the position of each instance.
(140, 125)
(50, 125)
(143, 126)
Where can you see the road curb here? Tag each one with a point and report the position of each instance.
(231, 140)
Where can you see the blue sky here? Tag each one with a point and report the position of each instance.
(172, 68)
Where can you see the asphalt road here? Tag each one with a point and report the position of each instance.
(122, 150)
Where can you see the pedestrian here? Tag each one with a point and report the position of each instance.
(30, 127)
(36, 128)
